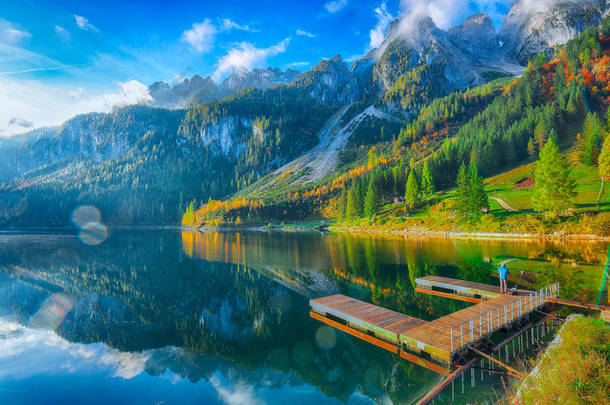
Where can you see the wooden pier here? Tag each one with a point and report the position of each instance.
(447, 336)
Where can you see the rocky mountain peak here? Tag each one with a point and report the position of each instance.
(477, 32)
(533, 26)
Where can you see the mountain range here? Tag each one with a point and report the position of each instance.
(198, 139)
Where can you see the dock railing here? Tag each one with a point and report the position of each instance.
(476, 328)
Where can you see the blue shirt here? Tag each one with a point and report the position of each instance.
(503, 272)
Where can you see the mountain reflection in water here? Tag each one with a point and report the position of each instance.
(224, 317)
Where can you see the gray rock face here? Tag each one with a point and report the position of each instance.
(477, 34)
(328, 82)
(200, 90)
(259, 78)
(534, 26)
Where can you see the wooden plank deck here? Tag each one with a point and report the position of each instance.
(435, 337)
(440, 339)
(460, 287)
(383, 323)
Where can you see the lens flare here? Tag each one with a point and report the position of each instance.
(326, 337)
(93, 233)
(85, 214)
(53, 311)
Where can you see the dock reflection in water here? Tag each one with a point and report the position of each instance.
(196, 315)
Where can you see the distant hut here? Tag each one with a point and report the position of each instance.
(526, 183)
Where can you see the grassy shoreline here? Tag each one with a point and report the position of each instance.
(575, 369)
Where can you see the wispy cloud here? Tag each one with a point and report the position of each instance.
(39, 69)
(335, 6)
(47, 105)
(304, 33)
(62, 32)
(11, 34)
(353, 58)
(247, 56)
(84, 24)
(384, 18)
(20, 122)
(227, 25)
(201, 36)
(295, 65)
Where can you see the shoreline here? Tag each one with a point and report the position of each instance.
(419, 233)
(427, 233)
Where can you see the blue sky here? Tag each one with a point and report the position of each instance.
(60, 58)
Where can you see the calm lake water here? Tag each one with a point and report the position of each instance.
(170, 317)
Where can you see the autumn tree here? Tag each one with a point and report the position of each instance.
(554, 188)
(412, 190)
(539, 135)
(531, 147)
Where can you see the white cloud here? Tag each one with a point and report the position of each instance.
(384, 18)
(246, 56)
(84, 24)
(335, 6)
(62, 32)
(15, 35)
(353, 58)
(42, 351)
(295, 65)
(446, 13)
(237, 395)
(200, 36)
(305, 33)
(11, 34)
(228, 25)
(47, 105)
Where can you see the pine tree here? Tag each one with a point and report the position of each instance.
(589, 144)
(461, 197)
(477, 197)
(371, 200)
(604, 166)
(353, 202)
(412, 191)
(554, 188)
(427, 183)
(342, 204)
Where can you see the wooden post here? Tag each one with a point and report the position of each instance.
(507, 367)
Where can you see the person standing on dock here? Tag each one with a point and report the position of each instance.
(503, 273)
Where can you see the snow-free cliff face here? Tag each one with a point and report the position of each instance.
(199, 90)
(534, 26)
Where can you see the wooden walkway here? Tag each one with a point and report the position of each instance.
(382, 323)
(442, 338)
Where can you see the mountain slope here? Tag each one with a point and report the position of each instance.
(422, 90)
(539, 26)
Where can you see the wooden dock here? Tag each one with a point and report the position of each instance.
(377, 321)
(442, 338)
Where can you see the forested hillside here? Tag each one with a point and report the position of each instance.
(490, 128)
(406, 116)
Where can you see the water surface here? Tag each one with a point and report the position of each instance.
(173, 317)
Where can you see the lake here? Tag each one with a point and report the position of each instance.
(174, 317)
